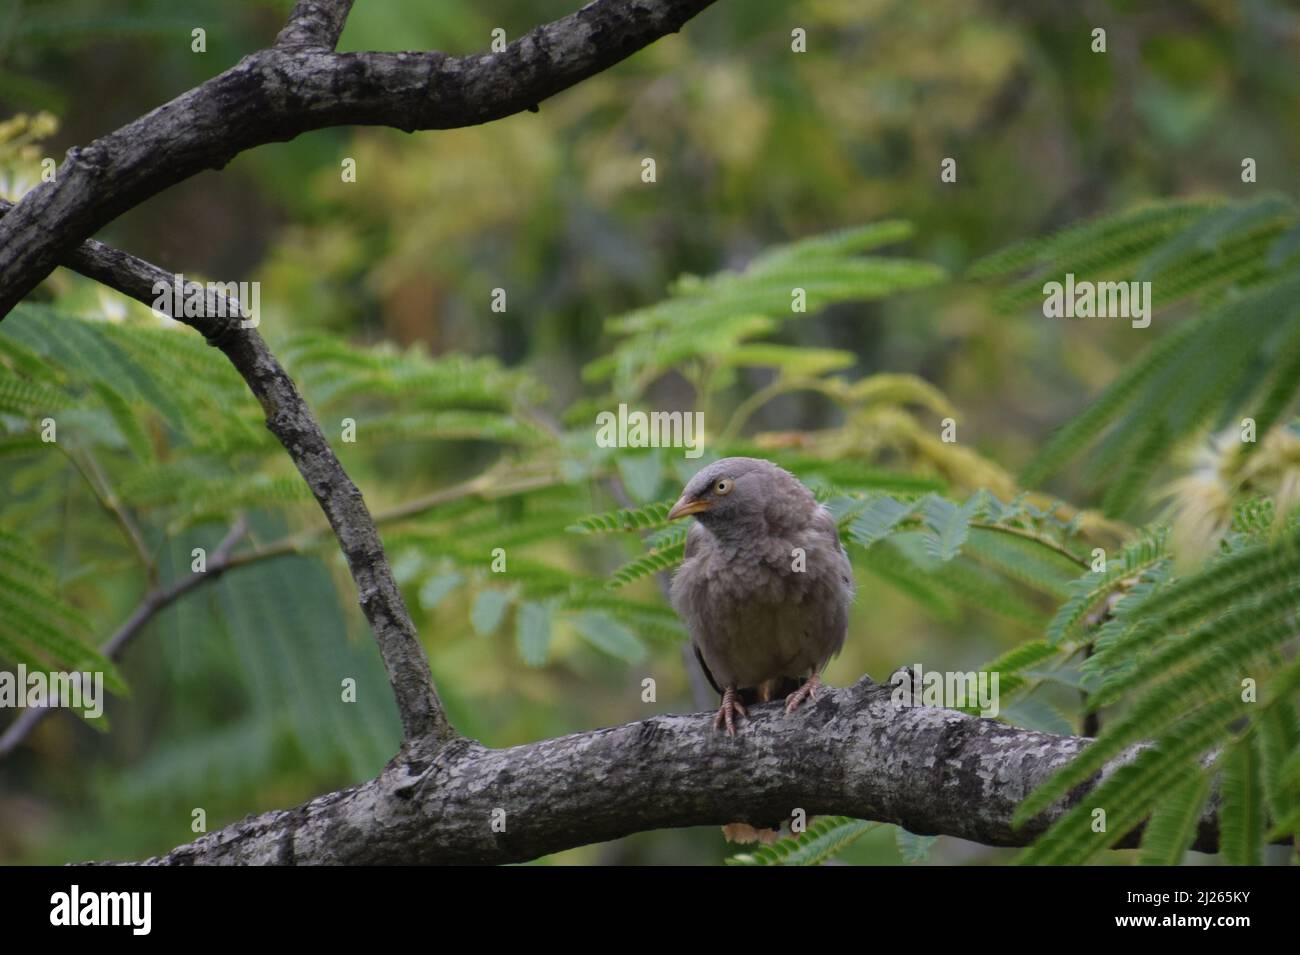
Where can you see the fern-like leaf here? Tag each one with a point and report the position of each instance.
(824, 839)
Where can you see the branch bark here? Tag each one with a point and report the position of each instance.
(851, 752)
(299, 85)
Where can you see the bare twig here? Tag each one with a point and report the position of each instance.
(314, 23)
(110, 502)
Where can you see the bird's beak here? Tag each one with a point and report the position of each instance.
(684, 507)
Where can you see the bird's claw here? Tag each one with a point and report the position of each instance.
(806, 692)
(730, 709)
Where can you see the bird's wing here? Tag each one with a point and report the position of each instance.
(837, 629)
(837, 622)
(694, 541)
(823, 522)
(705, 667)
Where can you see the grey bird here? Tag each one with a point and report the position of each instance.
(765, 586)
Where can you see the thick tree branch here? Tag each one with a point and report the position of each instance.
(290, 420)
(932, 771)
(274, 95)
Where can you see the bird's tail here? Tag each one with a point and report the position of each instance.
(777, 688)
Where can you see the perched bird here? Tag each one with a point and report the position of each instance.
(765, 587)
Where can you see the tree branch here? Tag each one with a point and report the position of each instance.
(96, 480)
(291, 421)
(932, 771)
(274, 95)
(314, 23)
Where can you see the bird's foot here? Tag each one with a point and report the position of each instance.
(730, 709)
(805, 692)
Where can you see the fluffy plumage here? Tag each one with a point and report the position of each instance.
(762, 627)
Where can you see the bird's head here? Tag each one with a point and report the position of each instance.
(733, 494)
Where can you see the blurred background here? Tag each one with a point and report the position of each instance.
(233, 691)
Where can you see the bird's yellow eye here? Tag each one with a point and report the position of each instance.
(723, 486)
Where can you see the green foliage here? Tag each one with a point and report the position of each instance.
(1088, 593)
(1014, 668)
(38, 626)
(947, 525)
(405, 395)
(149, 427)
(1187, 656)
(824, 839)
(116, 385)
(1175, 647)
(1173, 824)
(1279, 745)
(1241, 826)
(983, 551)
(715, 320)
(911, 847)
(655, 561)
(625, 519)
(533, 632)
(1236, 357)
